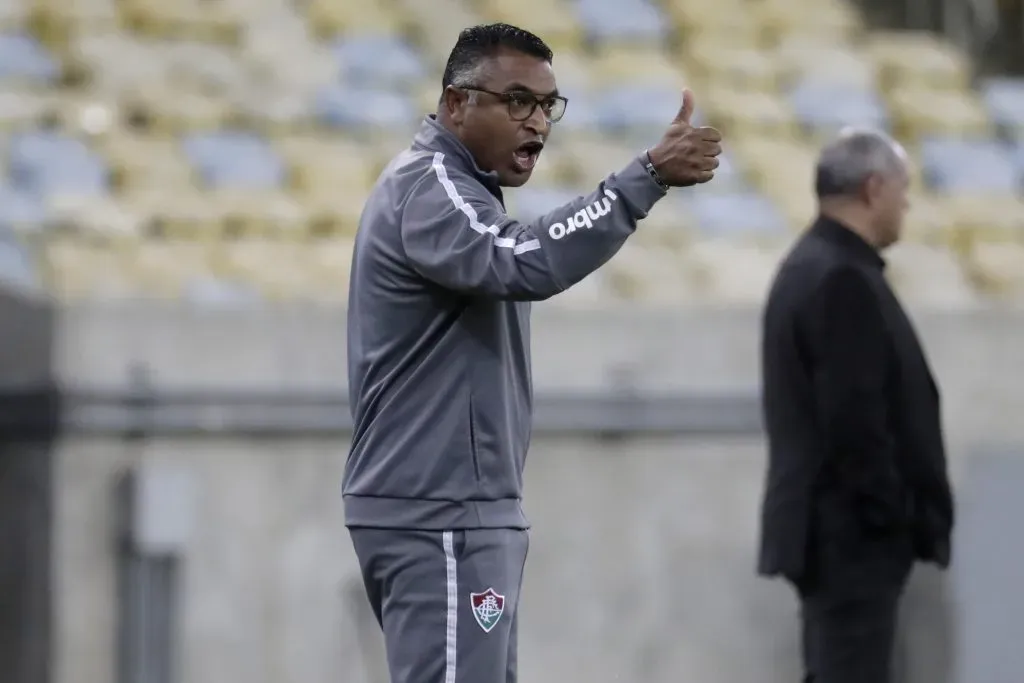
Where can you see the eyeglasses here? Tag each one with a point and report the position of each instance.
(521, 104)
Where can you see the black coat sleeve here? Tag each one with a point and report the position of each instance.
(851, 357)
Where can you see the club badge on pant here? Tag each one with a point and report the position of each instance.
(487, 608)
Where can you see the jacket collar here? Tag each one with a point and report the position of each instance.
(433, 137)
(853, 244)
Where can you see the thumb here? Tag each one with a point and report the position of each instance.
(687, 109)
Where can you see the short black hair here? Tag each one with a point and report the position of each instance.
(478, 43)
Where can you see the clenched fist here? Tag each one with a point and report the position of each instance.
(686, 155)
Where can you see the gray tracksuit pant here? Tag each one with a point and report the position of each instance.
(446, 601)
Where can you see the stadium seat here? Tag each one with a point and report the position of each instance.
(959, 166)
(647, 273)
(741, 113)
(926, 275)
(621, 21)
(373, 61)
(1004, 100)
(832, 65)
(998, 269)
(47, 163)
(928, 221)
(724, 21)
(713, 61)
(21, 210)
(556, 22)
(364, 109)
(745, 215)
(529, 203)
(24, 59)
(918, 112)
(728, 272)
(233, 160)
(825, 21)
(918, 58)
(639, 113)
(823, 109)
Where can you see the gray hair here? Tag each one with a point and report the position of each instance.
(855, 155)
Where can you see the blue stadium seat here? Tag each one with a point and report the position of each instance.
(47, 163)
(736, 214)
(580, 114)
(354, 107)
(955, 165)
(635, 21)
(20, 209)
(234, 159)
(529, 203)
(826, 107)
(1004, 100)
(378, 61)
(638, 110)
(16, 266)
(22, 57)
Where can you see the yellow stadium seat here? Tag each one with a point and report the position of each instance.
(181, 20)
(617, 64)
(165, 110)
(575, 73)
(330, 18)
(729, 272)
(186, 214)
(998, 269)
(929, 275)
(80, 268)
(830, 22)
(102, 216)
(259, 213)
(554, 168)
(146, 163)
(435, 25)
(730, 22)
(711, 61)
(592, 158)
(554, 22)
(163, 267)
(918, 59)
(986, 217)
(644, 273)
(928, 222)
(919, 111)
(22, 108)
(13, 15)
(783, 170)
(837, 64)
(744, 113)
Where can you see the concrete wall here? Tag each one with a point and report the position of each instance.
(641, 564)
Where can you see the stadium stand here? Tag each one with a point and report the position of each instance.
(219, 151)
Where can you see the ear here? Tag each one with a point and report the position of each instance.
(872, 188)
(453, 102)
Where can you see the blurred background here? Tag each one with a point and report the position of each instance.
(179, 187)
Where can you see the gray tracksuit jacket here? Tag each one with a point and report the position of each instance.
(439, 332)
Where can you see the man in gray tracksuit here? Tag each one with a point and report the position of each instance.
(439, 358)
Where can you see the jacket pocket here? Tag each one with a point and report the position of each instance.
(474, 453)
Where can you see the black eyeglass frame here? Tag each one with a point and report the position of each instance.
(509, 99)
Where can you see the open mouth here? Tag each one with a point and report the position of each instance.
(526, 155)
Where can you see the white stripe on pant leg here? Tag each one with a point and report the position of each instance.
(452, 622)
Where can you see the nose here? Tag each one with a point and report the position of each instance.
(537, 123)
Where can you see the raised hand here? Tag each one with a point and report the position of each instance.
(686, 155)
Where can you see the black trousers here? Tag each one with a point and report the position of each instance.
(849, 605)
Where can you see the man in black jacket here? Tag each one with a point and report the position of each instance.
(857, 487)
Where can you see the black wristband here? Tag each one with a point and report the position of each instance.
(653, 172)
